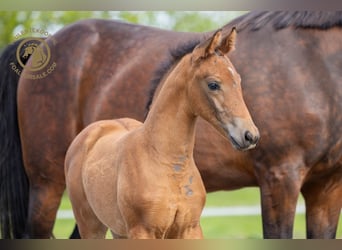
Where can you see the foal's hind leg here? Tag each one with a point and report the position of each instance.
(323, 207)
(90, 227)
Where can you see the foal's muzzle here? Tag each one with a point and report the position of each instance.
(243, 134)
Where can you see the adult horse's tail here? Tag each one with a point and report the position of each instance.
(14, 191)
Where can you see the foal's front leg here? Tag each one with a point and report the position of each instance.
(90, 227)
(141, 232)
(193, 233)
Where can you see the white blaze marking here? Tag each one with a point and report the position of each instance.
(231, 70)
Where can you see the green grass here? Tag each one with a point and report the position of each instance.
(243, 197)
(223, 227)
(243, 227)
(63, 228)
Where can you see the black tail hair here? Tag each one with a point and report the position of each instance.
(14, 191)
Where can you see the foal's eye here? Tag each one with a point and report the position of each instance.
(213, 85)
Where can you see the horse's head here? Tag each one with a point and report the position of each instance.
(215, 91)
(29, 50)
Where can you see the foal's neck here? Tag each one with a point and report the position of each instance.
(170, 124)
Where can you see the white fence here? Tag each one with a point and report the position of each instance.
(207, 212)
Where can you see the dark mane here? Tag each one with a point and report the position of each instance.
(173, 57)
(256, 20)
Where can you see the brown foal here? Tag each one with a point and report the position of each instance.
(140, 180)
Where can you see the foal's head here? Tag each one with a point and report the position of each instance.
(214, 91)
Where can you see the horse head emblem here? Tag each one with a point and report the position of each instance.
(36, 50)
(37, 53)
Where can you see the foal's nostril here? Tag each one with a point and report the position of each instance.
(249, 137)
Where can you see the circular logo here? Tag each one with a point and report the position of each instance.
(37, 50)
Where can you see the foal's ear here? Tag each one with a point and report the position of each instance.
(228, 42)
(208, 47)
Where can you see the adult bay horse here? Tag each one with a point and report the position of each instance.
(140, 180)
(290, 67)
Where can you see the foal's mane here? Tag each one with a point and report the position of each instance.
(174, 55)
(256, 20)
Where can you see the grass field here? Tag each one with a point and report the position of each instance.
(220, 227)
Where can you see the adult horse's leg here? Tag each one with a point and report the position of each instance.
(44, 161)
(43, 205)
(45, 138)
(323, 205)
(280, 188)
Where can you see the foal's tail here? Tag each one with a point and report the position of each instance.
(13, 180)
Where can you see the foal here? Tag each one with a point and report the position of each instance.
(140, 180)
